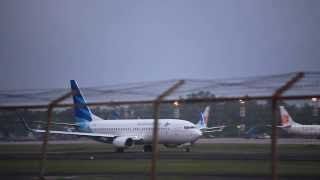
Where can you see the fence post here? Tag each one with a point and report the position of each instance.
(46, 135)
(156, 107)
(276, 95)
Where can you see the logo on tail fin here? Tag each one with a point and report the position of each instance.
(286, 119)
(205, 115)
(203, 122)
(81, 110)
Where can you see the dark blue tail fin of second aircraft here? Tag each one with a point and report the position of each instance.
(81, 110)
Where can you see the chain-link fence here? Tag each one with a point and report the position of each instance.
(268, 91)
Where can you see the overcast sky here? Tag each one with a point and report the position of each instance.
(44, 44)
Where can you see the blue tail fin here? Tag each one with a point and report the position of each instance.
(203, 122)
(81, 110)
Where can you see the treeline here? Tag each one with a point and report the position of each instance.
(257, 114)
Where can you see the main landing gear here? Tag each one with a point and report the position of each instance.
(119, 150)
(147, 148)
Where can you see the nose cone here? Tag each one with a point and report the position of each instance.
(199, 133)
(196, 134)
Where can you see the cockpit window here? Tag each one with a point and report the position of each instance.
(189, 127)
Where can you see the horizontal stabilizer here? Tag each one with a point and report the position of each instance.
(286, 126)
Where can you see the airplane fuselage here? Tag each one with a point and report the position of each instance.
(305, 130)
(171, 131)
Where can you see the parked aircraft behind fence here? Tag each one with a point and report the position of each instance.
(203, 123)
(295, 128)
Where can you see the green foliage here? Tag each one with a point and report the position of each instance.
(258, 114)
(192, 167)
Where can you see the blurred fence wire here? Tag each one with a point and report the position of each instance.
(261, 87)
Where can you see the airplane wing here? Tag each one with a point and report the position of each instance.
(213, 129)
(281, 126)
(75, 133)
(285, 126)
(68, 133)
(56, 123)
(209, 132)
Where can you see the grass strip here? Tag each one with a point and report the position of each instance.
(164, 166)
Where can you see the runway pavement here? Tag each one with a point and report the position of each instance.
(177, 154)
(172, 155)
(200, 141)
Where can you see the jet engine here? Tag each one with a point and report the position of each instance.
(122, 142)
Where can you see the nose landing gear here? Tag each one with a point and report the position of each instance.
(147, 148)
(119, 150)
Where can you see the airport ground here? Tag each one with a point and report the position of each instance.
(221, 159)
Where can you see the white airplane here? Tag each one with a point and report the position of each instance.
(202, 124)
(295, 128)
(125, 133)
